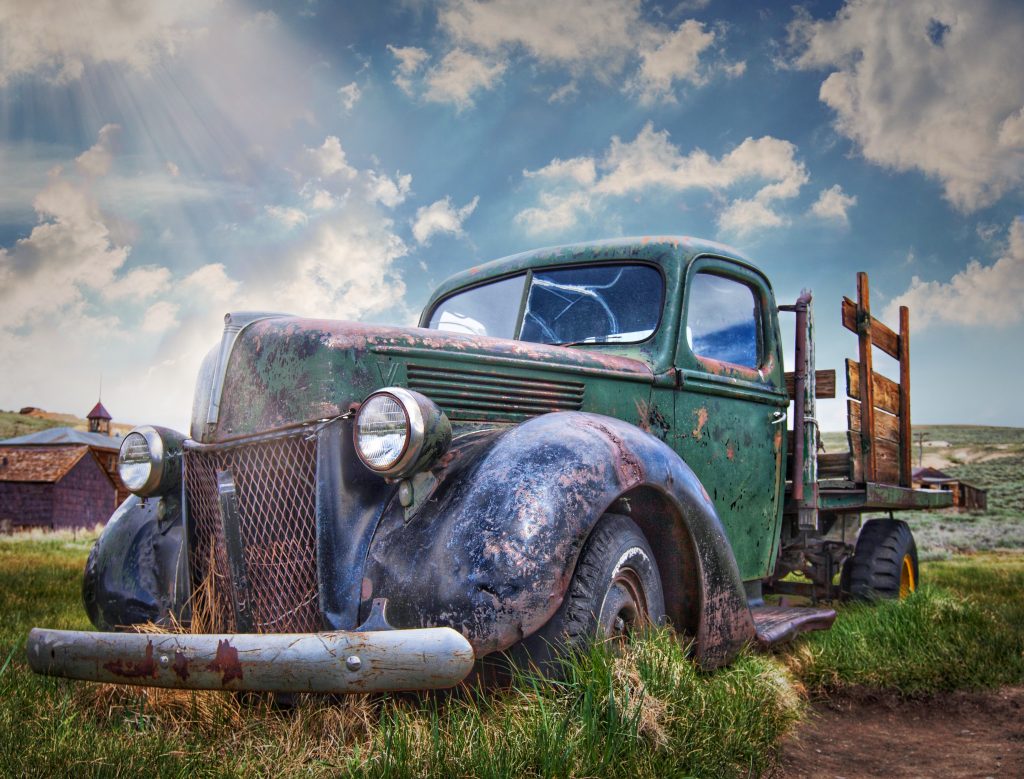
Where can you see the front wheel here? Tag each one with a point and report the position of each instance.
(615, 590)
(884, 562)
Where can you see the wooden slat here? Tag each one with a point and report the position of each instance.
(887, 426)
(886, 391)
(881, 334)
(887, 460)
(866, 372)
(824, 383)
(905, 438)
(834, 465)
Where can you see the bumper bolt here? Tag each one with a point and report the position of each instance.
(353, 663)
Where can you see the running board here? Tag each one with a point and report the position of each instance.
(777, 624)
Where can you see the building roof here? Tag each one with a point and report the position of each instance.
(65, 435)
(98, 412)
(930, 474)
(39, 463)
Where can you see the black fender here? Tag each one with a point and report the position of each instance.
(493, 550)
(136, 572)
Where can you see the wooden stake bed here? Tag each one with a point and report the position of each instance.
(875, 474)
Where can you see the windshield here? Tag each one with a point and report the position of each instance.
(596, 304)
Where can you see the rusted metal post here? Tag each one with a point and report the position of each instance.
(805, 451)
(906, 437)
(867, 378)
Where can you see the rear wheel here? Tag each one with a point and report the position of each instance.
(615, 590)
(884, 562)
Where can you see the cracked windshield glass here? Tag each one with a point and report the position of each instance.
(597, 304)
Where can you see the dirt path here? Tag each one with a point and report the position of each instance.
(953, 735)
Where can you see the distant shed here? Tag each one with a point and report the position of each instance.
(966, 496)
(54, 487)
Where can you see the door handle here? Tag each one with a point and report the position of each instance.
(778, 416)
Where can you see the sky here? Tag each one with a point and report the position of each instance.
(163, 163)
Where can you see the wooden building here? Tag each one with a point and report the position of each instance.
(61, 477)
(966, 496)
(54, 487)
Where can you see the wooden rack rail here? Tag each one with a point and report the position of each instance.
(877, 409)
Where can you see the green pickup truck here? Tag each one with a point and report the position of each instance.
(575, 442)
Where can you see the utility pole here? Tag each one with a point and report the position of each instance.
(920, 447)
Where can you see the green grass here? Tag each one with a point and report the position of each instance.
(13, 424)
(648, 713)
(963, 630)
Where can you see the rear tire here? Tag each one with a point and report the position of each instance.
(884, 562)
(615, 590)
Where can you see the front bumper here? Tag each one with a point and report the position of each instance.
(328, 662)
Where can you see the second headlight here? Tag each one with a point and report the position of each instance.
(399, 432)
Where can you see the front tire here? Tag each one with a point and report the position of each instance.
(615, 590)
(884, 562)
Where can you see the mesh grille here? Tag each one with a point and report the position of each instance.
(275, 483)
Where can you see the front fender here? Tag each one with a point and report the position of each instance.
(136, 569)
(494, 550)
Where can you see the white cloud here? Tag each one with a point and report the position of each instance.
(67, 255)
(410, 60)
(329, 159)
(289, 216)
(930, 86)
(833, 204)
(978, 295)
(651, 162)
(582, 170)
(320, 199)
(173, 169)
(746, 216)
(675, 58)
(96, 160)
(441, 216)
(459, 75)
(556, 212)
(139, 283)
(58, 39)
(345, 269)
(350, 94)
(160, 317)
(602, 39)
(564, 93)
(580, 34)
(388, 191)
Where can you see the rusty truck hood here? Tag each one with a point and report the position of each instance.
(286, 370)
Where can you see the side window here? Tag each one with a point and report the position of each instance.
(722, 320)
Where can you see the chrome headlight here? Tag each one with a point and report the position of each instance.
(399, 432)
(150, 460)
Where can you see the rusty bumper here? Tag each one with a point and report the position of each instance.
(328, 662)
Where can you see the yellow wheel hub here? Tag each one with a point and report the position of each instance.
(907, 583)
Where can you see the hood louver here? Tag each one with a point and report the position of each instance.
(478, 395)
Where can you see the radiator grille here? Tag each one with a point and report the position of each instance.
(482, 395)
(275, 482)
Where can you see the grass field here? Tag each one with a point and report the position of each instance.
(13, 424)
(648, 713)
(988, 457)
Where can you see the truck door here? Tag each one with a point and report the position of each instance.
(730, 407)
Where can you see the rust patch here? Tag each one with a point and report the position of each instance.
(180, 666)
(226, 662)
(367, 589)
(702, 419)
(128, 669)
(730, 452)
